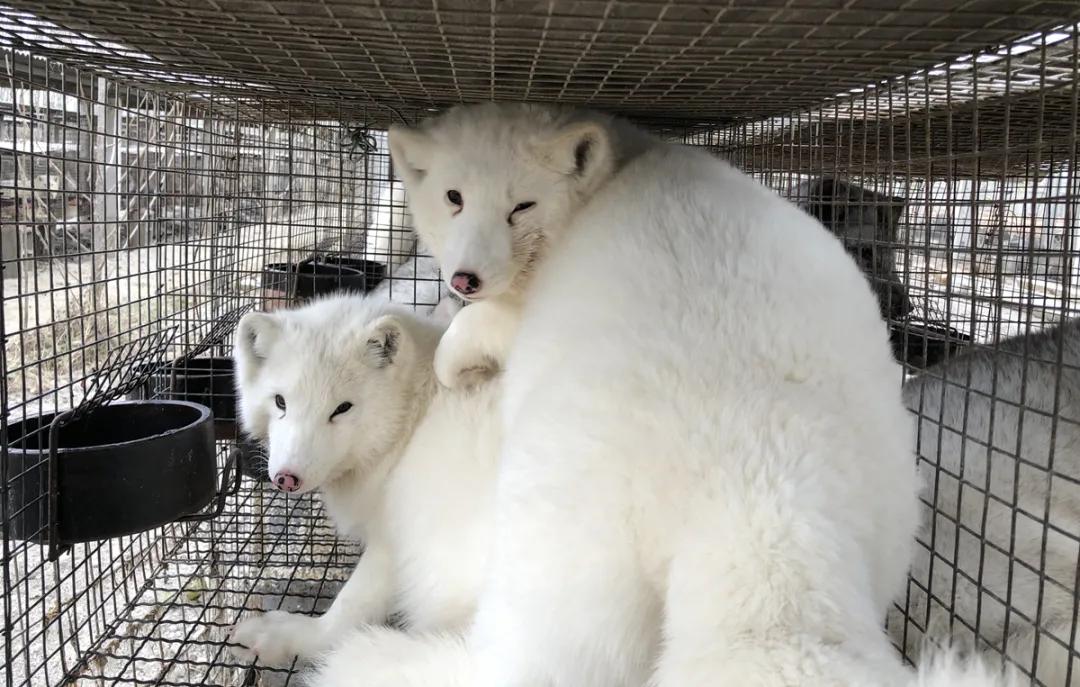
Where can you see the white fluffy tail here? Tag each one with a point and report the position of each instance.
(383, 657)
(947, 669)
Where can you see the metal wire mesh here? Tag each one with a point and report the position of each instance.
(956, 190)
(174, 178)
(688, 59)
(127, 213)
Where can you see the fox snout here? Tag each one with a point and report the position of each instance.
(286, 481)
(479, 261)
(466, 283)
(290, 469)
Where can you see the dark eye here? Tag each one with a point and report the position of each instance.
(455, 198)
(520, 207)
(279, 401)
(343, 408)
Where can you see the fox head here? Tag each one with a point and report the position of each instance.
(489, 186)
(330, 388)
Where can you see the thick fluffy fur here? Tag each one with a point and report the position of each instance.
(409, 470)
(1014, 388)
(559, 157)
(707, 476)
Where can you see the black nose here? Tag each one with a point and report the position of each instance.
(465, 283)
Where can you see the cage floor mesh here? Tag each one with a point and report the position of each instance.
(163, 618)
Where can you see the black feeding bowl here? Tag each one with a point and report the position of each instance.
(924, 345)
(373, 270)
(309, 278)
(208, 381)
(126, 467)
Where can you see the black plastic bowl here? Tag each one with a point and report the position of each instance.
(309, 279)
(922, 345)
(373, 270)
(126, 467)
(208, 381)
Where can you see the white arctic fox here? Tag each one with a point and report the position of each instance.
(707, 476)
(344, 392)
(991, 548)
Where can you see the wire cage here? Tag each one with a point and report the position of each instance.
(167, 180)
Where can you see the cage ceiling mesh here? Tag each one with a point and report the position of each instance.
(681, 61)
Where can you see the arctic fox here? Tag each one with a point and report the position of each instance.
(344, 392)
(988, 531)
(489, 253)
(707, 475)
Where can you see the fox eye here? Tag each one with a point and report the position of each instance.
(454, 198)
(520, 207)
(341, 409)
(279, 401)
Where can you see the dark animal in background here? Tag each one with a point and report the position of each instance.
(866, 222)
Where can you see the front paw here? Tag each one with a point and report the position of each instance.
(459, 365)
(382, 657)
(276, 638)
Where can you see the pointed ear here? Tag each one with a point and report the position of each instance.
(582, 150)
(385, 337)
(410, 152)
(255, 335)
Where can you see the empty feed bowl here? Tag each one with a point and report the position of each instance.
(124, 468)
(285, 283)
(373, 270)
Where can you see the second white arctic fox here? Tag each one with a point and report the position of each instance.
(344, 393)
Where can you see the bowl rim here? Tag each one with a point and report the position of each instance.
(228, 367)
(205, 414)
(293, 268)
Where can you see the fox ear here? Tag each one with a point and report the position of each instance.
(255, 335)
(582, 150)
(385, 337)
(410, 152)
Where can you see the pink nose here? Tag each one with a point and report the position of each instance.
(286, 481)
(465, 283)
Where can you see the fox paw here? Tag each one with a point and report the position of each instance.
(458, 364)
(275, 638)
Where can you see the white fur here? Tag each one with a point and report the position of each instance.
(973, 563)
(409, 470)
(707, 477)
(486, 236)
